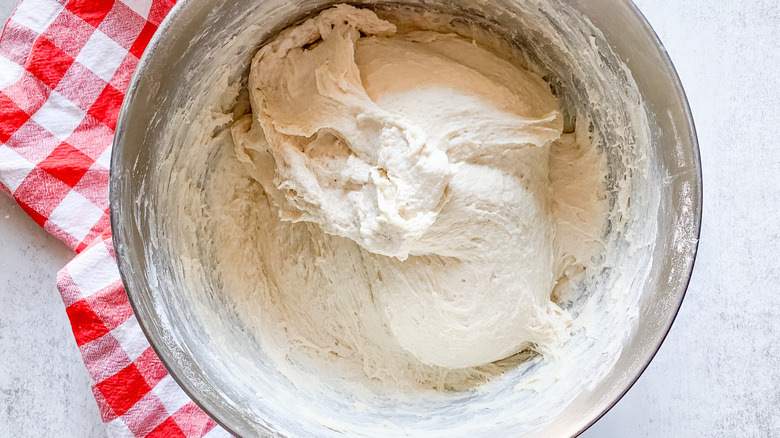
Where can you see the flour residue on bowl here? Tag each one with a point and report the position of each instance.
(412, 252)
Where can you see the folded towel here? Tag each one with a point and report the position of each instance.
(64, 69)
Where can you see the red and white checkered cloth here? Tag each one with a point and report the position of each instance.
(64, 69)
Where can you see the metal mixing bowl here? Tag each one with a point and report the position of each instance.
(159, 89)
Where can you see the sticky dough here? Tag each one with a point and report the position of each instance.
(411, 219)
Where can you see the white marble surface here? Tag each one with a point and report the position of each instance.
(44, 386)
(717, 374)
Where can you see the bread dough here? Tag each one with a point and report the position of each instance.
(411, 173)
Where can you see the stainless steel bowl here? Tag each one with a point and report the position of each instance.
(172, 318)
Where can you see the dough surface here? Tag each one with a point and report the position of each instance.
(412, 220)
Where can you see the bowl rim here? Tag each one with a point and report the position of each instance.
(123, 259)
(676, 83)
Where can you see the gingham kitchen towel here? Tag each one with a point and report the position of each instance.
(64, 69)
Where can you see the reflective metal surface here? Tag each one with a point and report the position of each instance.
(158, 88)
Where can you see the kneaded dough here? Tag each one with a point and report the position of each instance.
(413, 170)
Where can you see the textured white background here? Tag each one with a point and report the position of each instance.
(717, 374)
